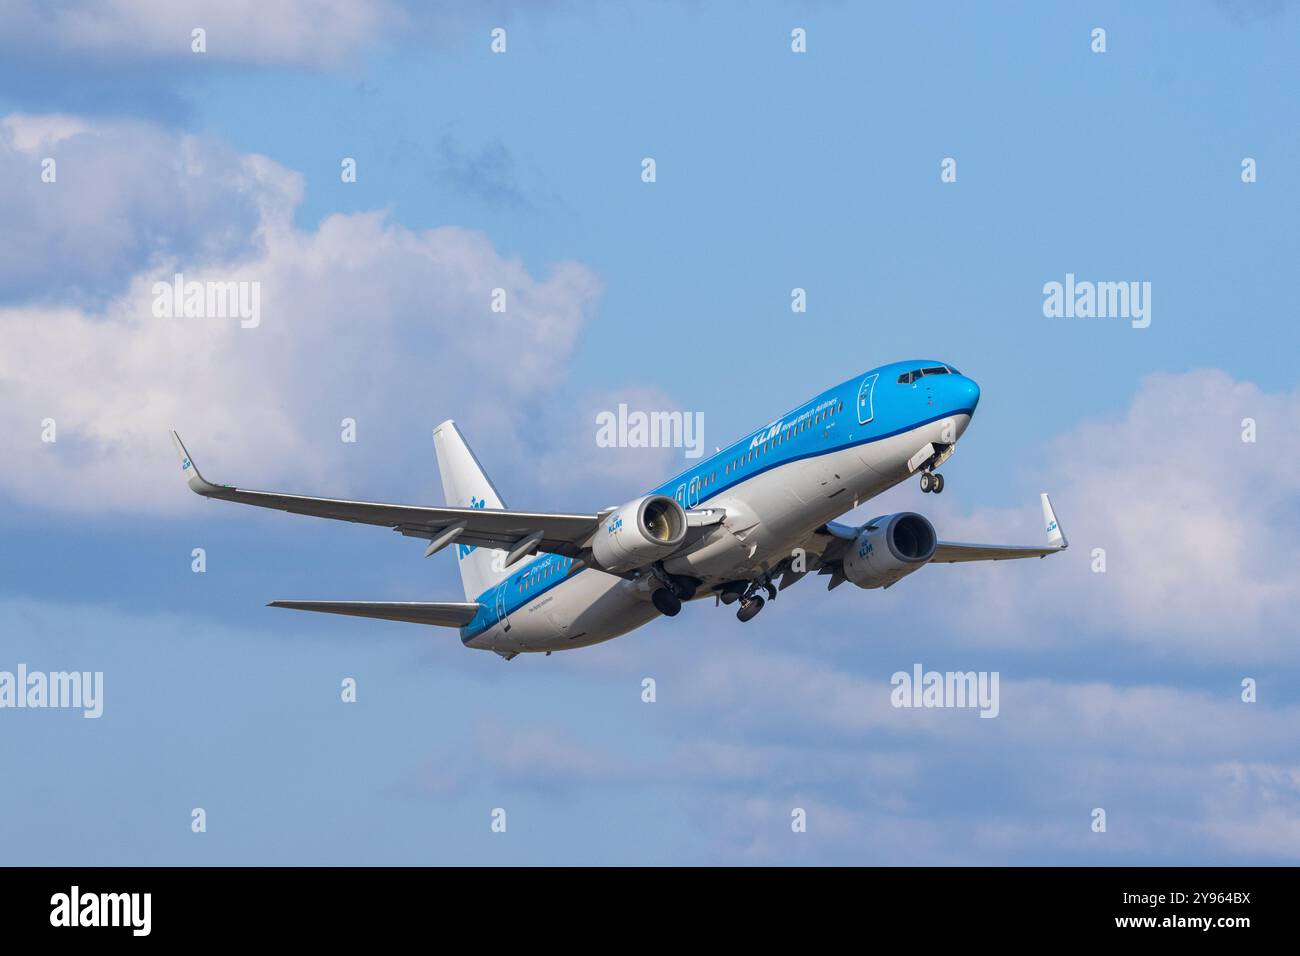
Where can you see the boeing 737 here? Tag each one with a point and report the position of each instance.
(750, 521)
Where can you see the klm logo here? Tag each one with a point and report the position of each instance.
(465, 550)
(865, 549)
(614, 526)
(185, 465)
(771, 431)
(1051, 527)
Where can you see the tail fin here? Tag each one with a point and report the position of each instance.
(466, 486)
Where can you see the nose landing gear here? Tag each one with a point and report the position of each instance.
(931, 481)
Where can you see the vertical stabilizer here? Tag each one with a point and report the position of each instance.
(465, 485)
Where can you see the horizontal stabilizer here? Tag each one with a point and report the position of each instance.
(440, 614)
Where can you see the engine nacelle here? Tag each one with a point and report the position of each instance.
(889, 548)
(639, 533)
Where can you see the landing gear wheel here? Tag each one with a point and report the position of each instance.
(668, 603)
(927, 482)
(749, 608)
(938, 484)
(732, 595)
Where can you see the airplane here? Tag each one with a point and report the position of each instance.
(753, 519)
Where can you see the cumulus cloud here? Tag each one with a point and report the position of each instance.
(295, 32)
(359, 318)
(762, 732)
(1200, 529)
(543, 756)
(1255, 807)
(126, 196)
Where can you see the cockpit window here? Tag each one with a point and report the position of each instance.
(908, 378)
(953, 370)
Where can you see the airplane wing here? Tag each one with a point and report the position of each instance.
(950, 552)
(441, 615)
(517, 532)
(837, 538)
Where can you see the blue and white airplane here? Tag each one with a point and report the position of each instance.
(751, 520)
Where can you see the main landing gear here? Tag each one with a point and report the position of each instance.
(668, 603)
(931, 481)
(672, 591)
(749, 608)
(747, 594)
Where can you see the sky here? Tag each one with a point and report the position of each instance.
(1169, 450)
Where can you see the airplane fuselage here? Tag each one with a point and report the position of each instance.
(778, 486)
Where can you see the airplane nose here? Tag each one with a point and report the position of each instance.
(970, 393)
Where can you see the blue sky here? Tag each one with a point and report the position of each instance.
(775, 170)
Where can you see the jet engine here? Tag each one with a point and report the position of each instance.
(889, 548)
(639, 533)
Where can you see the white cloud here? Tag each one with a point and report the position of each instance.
(1255, 808)
(28, 132)
(295, 32)
(127, 196)
(763, 731)
(1200, 530)
(544, 756)
(360, 318)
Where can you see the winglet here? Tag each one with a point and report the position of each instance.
(190, 470)
(1055, 536)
